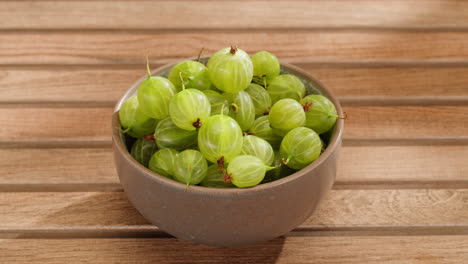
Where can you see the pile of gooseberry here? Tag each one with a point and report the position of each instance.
(237, 121)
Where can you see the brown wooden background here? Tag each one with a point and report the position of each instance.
(400, 69)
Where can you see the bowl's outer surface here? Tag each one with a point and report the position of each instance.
(228, 217)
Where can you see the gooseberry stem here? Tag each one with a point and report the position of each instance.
(200, 53)
(345, 116)
(227, 178)
(285, 162)
(307, 106)
(235, 107)
(124, 130)
(148, 71)
(150, 138)
(182, 80)
(222, 107)
(233, 50)
(221, 167)
(221, 163)
(268, 168)
(197, 124)
(264, 81)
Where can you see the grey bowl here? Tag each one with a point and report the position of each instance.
(228, 217)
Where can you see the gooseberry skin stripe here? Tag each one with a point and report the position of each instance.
(286, 114)
(194, 73)
(191, 167)
(246, 171)
(320, 114)
(187, 107)
(214, 178)
(243, 109)
(229, 72)
(217, 101)
(168, 135)
(286, 86)
(260, 98)
(262, 129)
(163, 162)
(154, 95)
(142, 151)
(300, 147)
(259, 148)
(266, 67)
(220, 136)
(134, 122)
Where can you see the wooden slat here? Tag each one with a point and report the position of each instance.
(358, 250)
(374, 122)
(358, 165)
(292, 46)
(66, 85)
(393, 164)
(231, 14)
(341, 208)
(42, 123)
(393, 81)
(57, 166)
(406, 121)
(107, 85)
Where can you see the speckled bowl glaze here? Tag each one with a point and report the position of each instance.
(228, 217)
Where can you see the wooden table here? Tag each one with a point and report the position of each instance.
(400, 69)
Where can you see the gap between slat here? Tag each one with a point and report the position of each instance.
(153, 232)
(344, 100)
(206, 30)
(347, 141)
(339, 185)
(362, 63)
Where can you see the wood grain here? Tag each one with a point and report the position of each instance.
(43, 123)
(66, 85)
(386, 166)
(341, 208)
(290, 46)
(70, 85)
(358, 250)
(393, 81)
(57, 166)
(364, 122)
(231, 14)
(406, 121)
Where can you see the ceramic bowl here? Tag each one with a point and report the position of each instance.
(235, 216)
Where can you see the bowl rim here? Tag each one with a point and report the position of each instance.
(334, 143)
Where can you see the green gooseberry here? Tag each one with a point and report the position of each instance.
(320, 113)
(260, 98)
(215, 178)
(191, 167)
(286, 86)
(168, 135)
(265, 67)
(163, 162)
(286, 114)
(194, 73)
(133, 121)
(259, 148)
(246, 171)
(300, 147)
(142, 151)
